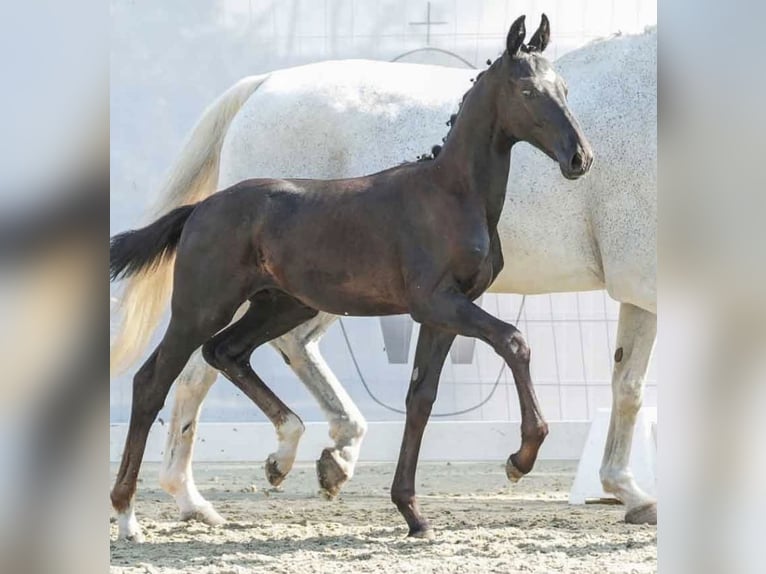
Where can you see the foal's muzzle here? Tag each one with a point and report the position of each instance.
(577, 164)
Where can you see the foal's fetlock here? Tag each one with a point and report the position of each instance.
(407, 504)
(280, 463)
(522, 462)
(121, 496)
(537, 433)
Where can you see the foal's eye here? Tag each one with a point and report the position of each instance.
(529, 93)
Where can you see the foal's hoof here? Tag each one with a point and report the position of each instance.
(331, 473)
(513, 473)
(644, 514)
(424, 534)
(273, 474)
(136, 537)
(133, 535)
(128, 528)
(206, 514)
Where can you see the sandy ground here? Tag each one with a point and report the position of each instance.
(482, 524)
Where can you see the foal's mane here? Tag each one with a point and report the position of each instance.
(436, 149)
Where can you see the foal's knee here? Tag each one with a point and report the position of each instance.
(419, 403)
(515, 347)
(535, 431)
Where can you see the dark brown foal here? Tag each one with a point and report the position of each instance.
(419, 238)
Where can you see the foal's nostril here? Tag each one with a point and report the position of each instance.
(578, 162)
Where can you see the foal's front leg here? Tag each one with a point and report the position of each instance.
(453, 311)
(433, 346)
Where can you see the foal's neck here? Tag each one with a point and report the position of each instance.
(476, 155)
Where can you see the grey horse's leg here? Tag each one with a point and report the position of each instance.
(300, 348)
(636, 332)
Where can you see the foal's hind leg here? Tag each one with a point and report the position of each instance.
(300, 348)
(271, 314)
(150, 388)
(636, 332)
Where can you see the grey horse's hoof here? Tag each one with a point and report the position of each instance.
(644, 514)
(331, 474)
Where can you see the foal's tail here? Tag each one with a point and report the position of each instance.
(193, 178)
(141, 250)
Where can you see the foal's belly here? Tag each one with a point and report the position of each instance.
(351, 280)
(352, 302)
(339, 283)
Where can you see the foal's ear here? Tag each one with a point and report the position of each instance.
(516, 36)
(540, 38)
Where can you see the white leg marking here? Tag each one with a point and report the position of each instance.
(637, 330)
(176, 476)
(128, 527)
(289, 434)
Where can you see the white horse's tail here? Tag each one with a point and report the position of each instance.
(193, 178)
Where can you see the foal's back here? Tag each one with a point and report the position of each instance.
(324, 241)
